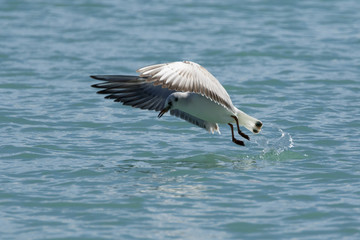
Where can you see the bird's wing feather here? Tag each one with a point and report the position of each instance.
(187, 77)
(133, 90)
(211, 127)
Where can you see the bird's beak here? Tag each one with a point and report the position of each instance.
(163, 111)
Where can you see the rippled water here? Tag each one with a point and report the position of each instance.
(77, 166)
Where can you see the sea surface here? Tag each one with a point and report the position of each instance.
(74, 165)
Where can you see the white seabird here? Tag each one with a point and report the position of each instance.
(186, 89)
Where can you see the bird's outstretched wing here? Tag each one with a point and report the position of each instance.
(137, 92)
(133, 90)
(187, 76)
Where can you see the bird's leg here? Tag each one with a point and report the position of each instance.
(238, 142)
(239, 131)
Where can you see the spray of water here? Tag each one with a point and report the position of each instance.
(275, 144)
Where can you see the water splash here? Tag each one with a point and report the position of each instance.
(277, 145)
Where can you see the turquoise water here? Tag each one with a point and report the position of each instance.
(77, 166)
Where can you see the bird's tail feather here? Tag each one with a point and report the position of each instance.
(252, 124)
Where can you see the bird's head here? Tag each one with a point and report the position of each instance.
(172, 102)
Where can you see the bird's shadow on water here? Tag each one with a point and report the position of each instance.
(199, 174)
(268, 149)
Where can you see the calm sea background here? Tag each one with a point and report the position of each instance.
(77, 166)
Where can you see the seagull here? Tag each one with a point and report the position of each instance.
(184, 88)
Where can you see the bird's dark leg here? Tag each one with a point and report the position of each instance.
(238, 142)
(239, 131)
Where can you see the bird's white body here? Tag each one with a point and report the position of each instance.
(210, 111)
(204, 108)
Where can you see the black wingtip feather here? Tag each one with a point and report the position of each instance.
(97, 77)
(118, 78)
(96, 86)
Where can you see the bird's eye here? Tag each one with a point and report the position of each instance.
(176, 99)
